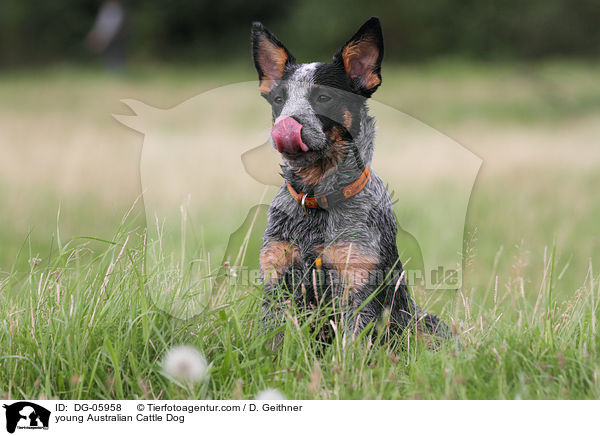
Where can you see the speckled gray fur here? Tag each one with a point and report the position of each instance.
(365, 220)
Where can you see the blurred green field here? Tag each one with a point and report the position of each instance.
(534, 125)
(532, 244)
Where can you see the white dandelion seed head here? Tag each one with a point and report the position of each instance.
(270, 395)
(185, 362)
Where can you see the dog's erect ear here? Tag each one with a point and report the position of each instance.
(361, 57)
(270, 57)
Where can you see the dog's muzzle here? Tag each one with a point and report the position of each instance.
(286, 134)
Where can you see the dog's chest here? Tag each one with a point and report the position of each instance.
(309, 229)
(314, 228)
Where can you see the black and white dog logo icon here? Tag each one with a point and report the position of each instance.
(26, 415)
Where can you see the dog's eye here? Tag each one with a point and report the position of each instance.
(323, 98)
(278, 99)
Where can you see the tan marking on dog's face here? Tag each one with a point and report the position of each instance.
(276, 257)
(347, 119)
(313, 174)
(266, 85)
(352, 265)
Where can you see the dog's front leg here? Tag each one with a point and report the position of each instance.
(277, 259)
(353, 267)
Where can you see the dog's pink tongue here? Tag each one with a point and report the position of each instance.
(286, 134)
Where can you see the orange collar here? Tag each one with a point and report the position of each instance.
(325, 201)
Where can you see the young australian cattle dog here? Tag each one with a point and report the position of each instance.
(331, 233)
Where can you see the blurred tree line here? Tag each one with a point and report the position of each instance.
(38, 31)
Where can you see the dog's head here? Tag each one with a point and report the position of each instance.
(317, 106)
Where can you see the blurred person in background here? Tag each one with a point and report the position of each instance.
(107, 36)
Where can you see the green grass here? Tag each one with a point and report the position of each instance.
(87, 324)
(92, 318)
